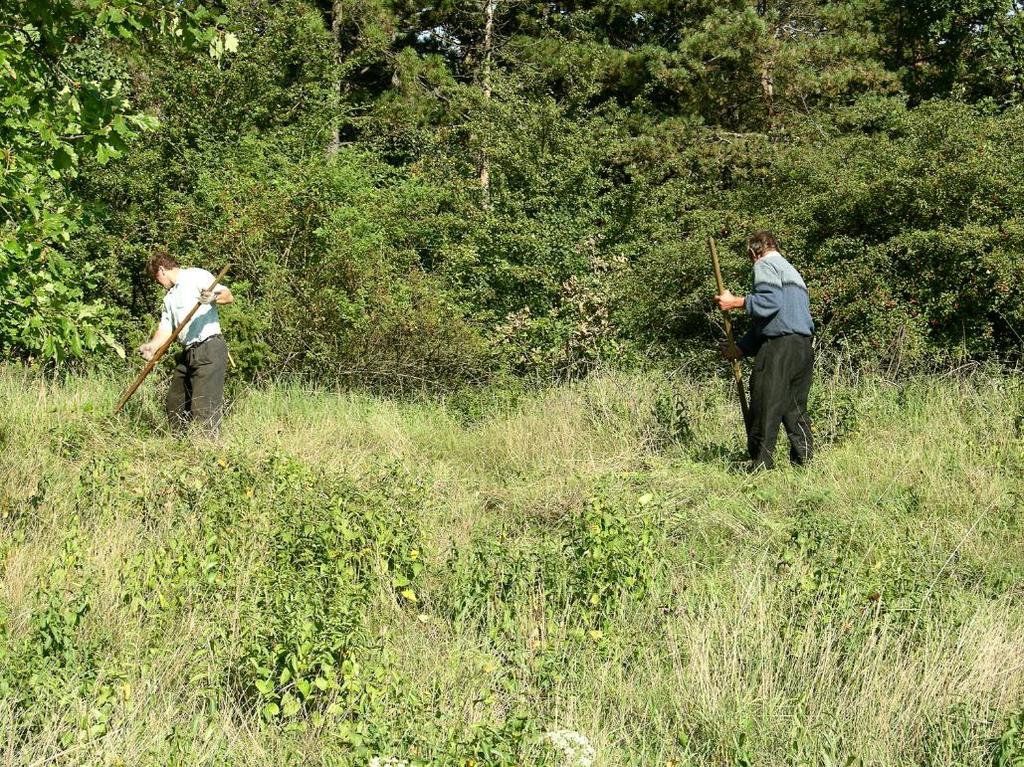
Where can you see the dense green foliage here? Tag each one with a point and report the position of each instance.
(65, 103)
(343, 579)
(429, 195)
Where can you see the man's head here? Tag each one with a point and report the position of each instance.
(760, 243)
(162, 267)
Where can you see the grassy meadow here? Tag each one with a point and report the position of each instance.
(343, 579)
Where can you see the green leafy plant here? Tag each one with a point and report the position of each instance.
(64, 102)
(612, 553)
(1009, 750)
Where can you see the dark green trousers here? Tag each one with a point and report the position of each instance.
(779, 387)
(197, 385)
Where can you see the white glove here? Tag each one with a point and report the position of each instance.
(207, 297)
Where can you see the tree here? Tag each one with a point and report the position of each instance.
(64, 101)
(968, 49)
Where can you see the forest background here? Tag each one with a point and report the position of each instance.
(424, 195)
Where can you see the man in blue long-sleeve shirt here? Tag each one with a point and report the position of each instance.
(780, 341)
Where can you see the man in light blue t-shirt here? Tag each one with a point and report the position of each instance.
(197, 386)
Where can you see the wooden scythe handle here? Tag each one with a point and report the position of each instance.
(736, 372)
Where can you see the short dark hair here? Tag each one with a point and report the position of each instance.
(761, 242)
(160, 259)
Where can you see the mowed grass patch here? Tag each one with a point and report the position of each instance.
(341, 577)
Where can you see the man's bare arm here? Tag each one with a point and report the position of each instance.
(148, 349)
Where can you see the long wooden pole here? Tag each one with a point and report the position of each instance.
(737, 373)
(163, 348)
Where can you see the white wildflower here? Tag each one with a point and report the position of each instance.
(574, 746)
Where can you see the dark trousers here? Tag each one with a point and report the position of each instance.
(197, 385)
(779, 387)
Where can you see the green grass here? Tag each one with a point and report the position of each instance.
(342, 577)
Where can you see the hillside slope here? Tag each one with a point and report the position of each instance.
(343, 579)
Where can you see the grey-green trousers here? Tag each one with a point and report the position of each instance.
(197, 385)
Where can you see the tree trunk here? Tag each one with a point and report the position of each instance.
(768, 87)
(484, 169)
(337, 8)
